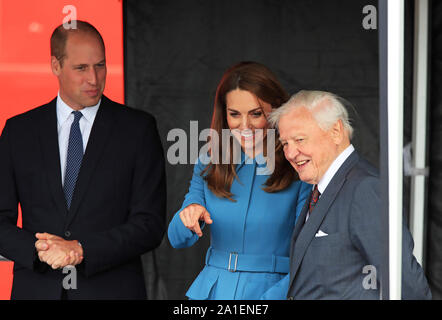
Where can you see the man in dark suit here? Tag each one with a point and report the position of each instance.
(336, 245)
(89, 176)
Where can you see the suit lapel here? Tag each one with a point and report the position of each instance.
(301, 218)
(300, 222)
(97, 141)
(304, 233)
(48, 134)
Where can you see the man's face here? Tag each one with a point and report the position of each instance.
(308, 148)
(83, 75)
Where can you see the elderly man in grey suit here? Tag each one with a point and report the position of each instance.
(337, 237)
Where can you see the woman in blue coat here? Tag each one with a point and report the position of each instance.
(250, 204)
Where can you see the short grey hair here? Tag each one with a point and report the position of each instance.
(326, 108)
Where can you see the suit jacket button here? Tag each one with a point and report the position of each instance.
(67, 234)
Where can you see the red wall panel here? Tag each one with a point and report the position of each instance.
(26, 80)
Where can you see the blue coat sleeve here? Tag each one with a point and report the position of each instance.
(179, 235)
(277, 291)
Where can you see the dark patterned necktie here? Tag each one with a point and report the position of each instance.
(74, 158)
(314, 199)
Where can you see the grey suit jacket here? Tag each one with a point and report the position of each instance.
(332, 266)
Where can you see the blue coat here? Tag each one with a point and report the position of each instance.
(250, 238)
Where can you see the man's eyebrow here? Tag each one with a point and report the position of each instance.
(85, 64)
(290, 137)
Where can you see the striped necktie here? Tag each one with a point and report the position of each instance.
(314, 199)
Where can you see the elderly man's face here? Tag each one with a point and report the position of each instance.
(308, 148)
(83, 75)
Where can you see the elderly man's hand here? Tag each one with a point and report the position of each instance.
(58, 252)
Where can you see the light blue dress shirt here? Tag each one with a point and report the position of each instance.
(64, 122)
(251, 234)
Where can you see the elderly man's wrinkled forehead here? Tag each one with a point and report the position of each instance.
(317, 108)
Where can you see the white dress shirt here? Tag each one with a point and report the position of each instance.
(331, 171)
(65, 118)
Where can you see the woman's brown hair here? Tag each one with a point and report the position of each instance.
(260, 81)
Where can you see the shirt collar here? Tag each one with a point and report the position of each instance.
(64, 111)
(334, 167)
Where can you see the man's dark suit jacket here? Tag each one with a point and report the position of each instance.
(117, 212)
(332, 266)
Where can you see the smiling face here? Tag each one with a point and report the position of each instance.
(308, 148)
(245, 114)
(82, 76)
